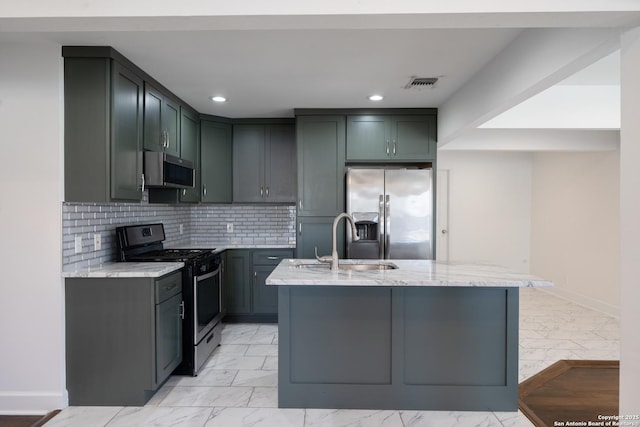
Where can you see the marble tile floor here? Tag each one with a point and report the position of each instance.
(238, 386)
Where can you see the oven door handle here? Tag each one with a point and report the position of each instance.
(208, 275)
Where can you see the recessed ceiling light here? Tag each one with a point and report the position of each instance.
(376, 98)
(218, 99)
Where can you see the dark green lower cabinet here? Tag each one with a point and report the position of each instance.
(123, 338)
(238, 276)
(248, 297)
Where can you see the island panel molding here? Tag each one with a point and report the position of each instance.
(425, 336)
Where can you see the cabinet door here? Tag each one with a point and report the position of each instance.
(168, 337)
(265, 298)
(126, 134)
(248, 163)
(153, 134)
(161, 122)
(215, 162)
(317, 232)
(280, 164)
(413, 138)
(190, 150)
(320, 146)
(171, 126)
(368, 138)
(238, 283)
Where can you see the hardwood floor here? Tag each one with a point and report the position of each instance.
(571, 391)
(25, 420)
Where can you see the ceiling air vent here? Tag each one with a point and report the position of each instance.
(421, 82)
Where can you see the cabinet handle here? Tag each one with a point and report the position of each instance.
(261, 192)
(182, 310)
(394, 147)
(300, 228)
(267, 191)
(168, 139)
(272, 257)
(204, 190)
(300, 204)
(184, 191)
(142, 176)
(387, 147)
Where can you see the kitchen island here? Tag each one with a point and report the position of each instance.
(426, 336)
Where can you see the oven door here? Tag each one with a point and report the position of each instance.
(206, 302)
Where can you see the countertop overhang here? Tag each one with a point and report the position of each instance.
(408, 273)
(126, 269)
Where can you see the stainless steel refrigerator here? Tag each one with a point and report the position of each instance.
(393, 212)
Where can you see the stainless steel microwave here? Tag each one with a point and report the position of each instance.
(166, 171)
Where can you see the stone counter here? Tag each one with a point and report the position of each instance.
(306, 272)
(126, 270)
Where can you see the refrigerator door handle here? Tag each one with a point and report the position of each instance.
(381, 224)
(387, 226)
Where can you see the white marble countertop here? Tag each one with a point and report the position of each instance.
(126, 269)
(408, 273)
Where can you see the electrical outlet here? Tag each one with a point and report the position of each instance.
(229, 227)
(181, 228)
(97, 242)
(78, 244)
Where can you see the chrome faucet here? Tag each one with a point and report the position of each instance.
(333, 259)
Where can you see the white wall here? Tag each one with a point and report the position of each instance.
(575, 226)
(630, 225)
(489, 206)
(31, 307)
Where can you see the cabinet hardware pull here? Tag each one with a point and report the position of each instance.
(204, 190)
(272, 257)
(394, 147)
(142, 176)
(300, 228)
(168, 139)
(300, 203)
(182, 310)
(168, 288)
(267, 191)
(209, 338)
(261, 192)
(184, 191)
(387, 147)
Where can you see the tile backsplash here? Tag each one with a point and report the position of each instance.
(204, 225)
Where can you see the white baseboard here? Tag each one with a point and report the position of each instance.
(32, 402)
(584, 301)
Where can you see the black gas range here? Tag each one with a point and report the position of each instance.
(201, 288)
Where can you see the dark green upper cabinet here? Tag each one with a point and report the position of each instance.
(320, 145)
(215, 162)
(264, 166)
(280, 163)
(190, 150)
(161, 122)
(103, 128)
(406, 138)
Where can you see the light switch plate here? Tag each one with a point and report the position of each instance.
(78, 244)
(97, 242)
(229, 227)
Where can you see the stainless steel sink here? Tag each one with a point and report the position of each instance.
(353, 266)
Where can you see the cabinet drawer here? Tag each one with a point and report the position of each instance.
(271, 256)
(168, 286)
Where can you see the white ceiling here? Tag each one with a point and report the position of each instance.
(590, 99)
(340, 60)
(268, 73)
